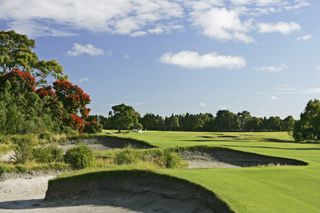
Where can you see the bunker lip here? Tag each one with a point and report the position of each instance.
(104, 142)
(136, 190)
(218, 157)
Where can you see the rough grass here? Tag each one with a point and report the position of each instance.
(265, 189)
(161, 157)
(31, 166)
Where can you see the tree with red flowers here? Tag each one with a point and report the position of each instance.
(28, 103)
(16, 53)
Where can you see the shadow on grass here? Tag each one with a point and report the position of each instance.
(236, 157)
(272, 147)
(277, 140)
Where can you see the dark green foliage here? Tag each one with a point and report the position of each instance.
(28, 103)
(92, 126)
(152, 122)
(48, 154)
(24, 112)
(16, 53)
(224, 121)
(172, 122)
(125, 117)
(308, 127)
(79, 157)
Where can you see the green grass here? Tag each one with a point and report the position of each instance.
(263, 189)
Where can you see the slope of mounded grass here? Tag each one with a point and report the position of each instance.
(137, 190)
(260, 189)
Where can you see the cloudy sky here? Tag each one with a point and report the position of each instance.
(177, 56)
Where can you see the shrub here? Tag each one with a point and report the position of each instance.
(92, 127)
(79, 157)
(126, 156)
(23, 147)
(172, 159)
(48, 154)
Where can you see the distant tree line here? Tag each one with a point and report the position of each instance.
(124, 117)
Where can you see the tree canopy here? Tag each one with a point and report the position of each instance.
(308, 127)
(224, 120)
(28, 103)
(16, 53)
(124, 117)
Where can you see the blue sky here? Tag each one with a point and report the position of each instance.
(178, 56)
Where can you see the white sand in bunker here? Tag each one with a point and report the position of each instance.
(115, 193)
(217, 157)
(26, 194)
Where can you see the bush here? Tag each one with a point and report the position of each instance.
(79, 157)
(165, 158)
(23, 147)
(92, 127)
(48, 154)
(172, 159)
(126, 156)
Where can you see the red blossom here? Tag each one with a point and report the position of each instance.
(76, 122)
(46, 91)
(20, 75)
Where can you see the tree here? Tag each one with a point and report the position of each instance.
(225, 121)
(21, 109)
(125, 117)
(288, 123)
(16, 53)
(152, 122)
(242, 120)
(172, 122)
(308, 127)
(28, 104)
(254, 124)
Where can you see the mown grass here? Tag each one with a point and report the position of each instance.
(265, 189)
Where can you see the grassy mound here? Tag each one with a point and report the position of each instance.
(135, 190)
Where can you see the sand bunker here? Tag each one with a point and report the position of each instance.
(216, 157)
(137, 191)
(107, 142)
(116, 191)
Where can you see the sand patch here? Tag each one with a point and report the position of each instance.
(217, 157)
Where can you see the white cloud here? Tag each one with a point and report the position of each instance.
(202, 104)
(285, 88)
(217, 19)
(111, 16)
(280, 27)
(34, 29)
(259, 2)
(318, 67)
(223, 24)
(273, 68)
(138, 33)
(304, 38)
(274, 98)
(311, 91)
(194, 60)
(127, 56)
(85, 49)
(83, 80)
